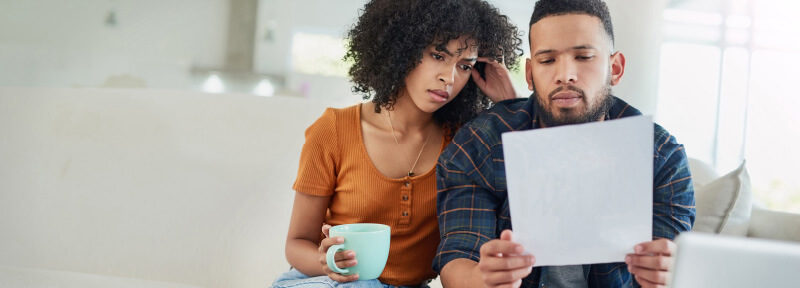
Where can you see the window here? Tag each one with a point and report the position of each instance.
(726, 90)
(319, 54)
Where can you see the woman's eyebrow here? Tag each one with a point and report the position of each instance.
(441, 48)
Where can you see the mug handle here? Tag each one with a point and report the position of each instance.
(330, 258)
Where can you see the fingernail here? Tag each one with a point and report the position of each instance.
(627, 259)
(519, 249)
(638, 248)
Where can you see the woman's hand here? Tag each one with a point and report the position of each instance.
(497, 84)
(325, 229)
(343, 259)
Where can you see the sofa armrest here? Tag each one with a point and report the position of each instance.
(776, 225)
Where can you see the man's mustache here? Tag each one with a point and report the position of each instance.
(569, 87)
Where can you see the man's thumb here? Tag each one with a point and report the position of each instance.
(506, 235)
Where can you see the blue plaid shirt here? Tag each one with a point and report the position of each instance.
(472, 201)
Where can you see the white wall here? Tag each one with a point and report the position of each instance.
(334, 18)
(168, 185)
(66, 44)
(331, 17)
(637, 30)
(289, 17)
(637, 27)
(56, 43)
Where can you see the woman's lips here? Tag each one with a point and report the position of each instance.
(439, 95)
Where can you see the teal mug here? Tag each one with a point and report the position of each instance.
(371, 244)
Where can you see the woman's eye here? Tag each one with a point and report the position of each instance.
(437, 56)
(466, 67)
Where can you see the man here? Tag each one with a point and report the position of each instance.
(571, 71)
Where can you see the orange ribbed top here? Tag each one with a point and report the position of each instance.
(335, 163)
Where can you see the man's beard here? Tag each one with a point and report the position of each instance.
(595, 111)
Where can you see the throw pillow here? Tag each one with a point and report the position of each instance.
(724, 205)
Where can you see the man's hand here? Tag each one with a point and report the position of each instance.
(503, 262)
(497, 84)
(651, 262)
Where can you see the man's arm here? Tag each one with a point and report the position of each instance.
(466, 211)
(503, 263)
(469, 255)
(673, 190)
(673, 212)
(463, 267)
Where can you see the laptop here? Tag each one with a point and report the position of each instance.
(709, 261)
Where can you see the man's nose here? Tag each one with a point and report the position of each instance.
(567, 73)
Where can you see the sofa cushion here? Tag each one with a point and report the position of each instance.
(20, 277)
(702, 173)
(724, 205)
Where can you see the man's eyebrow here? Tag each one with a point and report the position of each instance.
(579, 47)
(583, 47)
(540, 52)
(470, 59)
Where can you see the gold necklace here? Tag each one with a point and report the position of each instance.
(410, 171)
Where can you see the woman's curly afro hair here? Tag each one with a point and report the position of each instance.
(390, 36)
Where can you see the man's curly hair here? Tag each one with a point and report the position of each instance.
(390, 36)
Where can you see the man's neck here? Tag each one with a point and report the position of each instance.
(542, 124)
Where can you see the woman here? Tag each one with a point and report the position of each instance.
(375, 162)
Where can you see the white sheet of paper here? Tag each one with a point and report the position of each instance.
(581, 194)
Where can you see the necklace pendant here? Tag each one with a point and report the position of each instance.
(410, 174)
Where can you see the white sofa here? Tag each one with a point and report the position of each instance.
(725, 206)
(139, 188)
(146, 188)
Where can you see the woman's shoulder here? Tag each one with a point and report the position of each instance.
(335, 116)
(331, 123)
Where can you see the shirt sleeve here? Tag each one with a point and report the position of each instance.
(316, 174)
(673, 190)
(466, 203)
(673, 206)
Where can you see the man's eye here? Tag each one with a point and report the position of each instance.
(585, 57)
(466, 67)
(437, 56)
(546, 61)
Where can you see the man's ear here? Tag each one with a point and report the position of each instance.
(528, 74)
(617, 67)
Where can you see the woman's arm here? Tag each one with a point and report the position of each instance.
(302, 250)
(497, 84)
